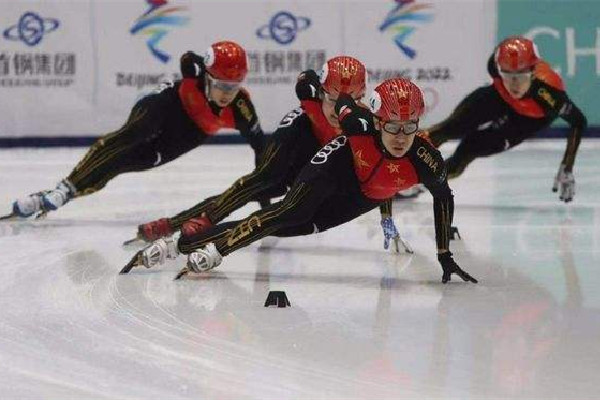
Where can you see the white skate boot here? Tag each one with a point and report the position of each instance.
(204, 259)
(159, 251)
(58, 197)
(41, 202)
(28, 206)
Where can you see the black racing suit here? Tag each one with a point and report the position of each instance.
(287, 150)
(488, 122)
(328, 193)
(157, 131)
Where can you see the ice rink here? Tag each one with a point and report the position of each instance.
(364, 324)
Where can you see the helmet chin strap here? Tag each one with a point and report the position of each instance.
(207, 89)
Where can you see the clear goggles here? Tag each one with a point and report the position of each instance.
(519, 76)
(397, 127)
(225, 86)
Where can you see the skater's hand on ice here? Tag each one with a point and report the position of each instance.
(449, 266)
(565, 181)
(389, 232)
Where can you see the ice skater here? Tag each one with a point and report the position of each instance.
(378, 154)
(299, 136)
(162, 126)
(525, 97)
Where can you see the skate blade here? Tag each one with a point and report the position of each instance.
(454, 233)
(401, 244)
(181, 274)
(408, 250)
(135, 261)
(42, 215)
(9, 217)
(135, 242)
(15, 217)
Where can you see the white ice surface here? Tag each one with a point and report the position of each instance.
(363, 324)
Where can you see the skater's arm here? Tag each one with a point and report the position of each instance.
(578, 122)
(386, 209)
(549, 92)
(432, 172)
(443, 214)
(247, 122)
(443, 211)
(564, 181)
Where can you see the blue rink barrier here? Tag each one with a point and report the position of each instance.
(229, 138)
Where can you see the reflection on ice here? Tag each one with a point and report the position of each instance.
(363, 323)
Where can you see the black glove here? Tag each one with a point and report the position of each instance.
(352, 117)
(308, 85)
(192, 65)
(451, 267)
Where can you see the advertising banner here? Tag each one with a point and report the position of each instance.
(76, 67)
(46, 56)
(429, 42)
(141, 47)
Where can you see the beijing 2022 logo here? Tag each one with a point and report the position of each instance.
(403, 20)
(31, 29)
(283, 27)
(155, 23)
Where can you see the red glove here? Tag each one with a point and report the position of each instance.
(195, 226)
(155, 230)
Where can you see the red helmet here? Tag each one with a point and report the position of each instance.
(397, 99)
(343, 74)
(226, 61)
(516, 54)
